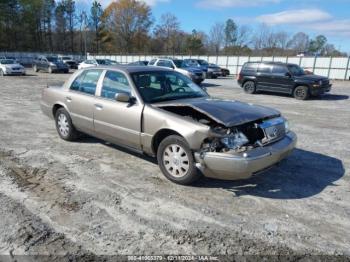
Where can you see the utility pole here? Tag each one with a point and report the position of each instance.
(84, 16)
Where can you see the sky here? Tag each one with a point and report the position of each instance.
(328, 17)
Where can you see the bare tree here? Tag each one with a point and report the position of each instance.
(299, 42)
(217, 37)
(167, 31)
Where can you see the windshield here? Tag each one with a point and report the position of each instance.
(52, 59)
(7, 62)
(191, 63)
(162, 86)
(296, 70)
(103, 62)
(179, 63)
(203, 62)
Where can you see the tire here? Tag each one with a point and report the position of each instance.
(214, 77)
(64, 125)
(66, 71)
(176, 161)
(301, 93)
(50, 70)
(1, 73)
(249, 87)
(35, 68)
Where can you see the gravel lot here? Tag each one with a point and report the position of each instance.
(92, 198)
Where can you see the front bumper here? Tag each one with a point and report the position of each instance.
(15, 72)
(237, 166)
(321, 90)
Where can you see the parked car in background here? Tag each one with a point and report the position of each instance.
(69, 61)
(214, 71)
(50, 64)
(111, 62)
(139, 63)
(95, 62)
(225, 72)
(164, 115)
(2, 57)
(11, 67)
(282, 78)
(196, 74)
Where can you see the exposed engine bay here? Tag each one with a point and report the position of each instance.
(234, 139)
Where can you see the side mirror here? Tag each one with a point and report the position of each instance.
(123, 97)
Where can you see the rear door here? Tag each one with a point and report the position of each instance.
(282, 81)
(264, 77)
(81, 99)
(114, 121)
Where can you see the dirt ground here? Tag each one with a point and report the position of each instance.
(91, 198)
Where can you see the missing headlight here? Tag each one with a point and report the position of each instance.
(235, 141)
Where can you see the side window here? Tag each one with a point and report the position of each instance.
(165, 63)
(279, 70)
(266, 69)
(87, 82)
(250, 67)
(114, 83)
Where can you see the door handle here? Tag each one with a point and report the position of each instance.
(68, 99)
(98, 106)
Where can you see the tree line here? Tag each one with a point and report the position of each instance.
(128, 26)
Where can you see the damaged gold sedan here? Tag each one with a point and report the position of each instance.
(162, 113)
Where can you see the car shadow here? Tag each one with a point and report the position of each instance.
(86, 139)
(207, 85)
(331, 97)
(328, 97)
(304, 174)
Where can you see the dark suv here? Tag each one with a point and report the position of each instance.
(281, 78)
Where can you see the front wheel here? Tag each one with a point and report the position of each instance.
(301, 93)
(176, 161)
(249, 87)
(1, 73)
(50, 70)
(35, 69)
(64, 125)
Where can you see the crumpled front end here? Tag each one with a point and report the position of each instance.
(239, 152)
(242, 165)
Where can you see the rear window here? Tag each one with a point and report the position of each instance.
(250, 67)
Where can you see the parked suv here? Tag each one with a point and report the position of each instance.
(196, 74)
(281, 78)
(69, 61)
(50, 64)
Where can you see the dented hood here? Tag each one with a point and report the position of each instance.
(226, 112)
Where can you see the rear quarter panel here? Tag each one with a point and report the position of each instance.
(50, 97)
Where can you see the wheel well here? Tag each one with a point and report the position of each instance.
(297, 85)
(55, 108)
(160, 136)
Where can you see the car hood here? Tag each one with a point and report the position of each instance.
(310, 77)
(226, 112)
(14, 65)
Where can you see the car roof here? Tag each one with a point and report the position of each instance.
(269, 63)
(132, 69)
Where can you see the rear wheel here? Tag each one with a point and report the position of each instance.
(249, 87)
(176, 160)
(64, 125)
(301, 93)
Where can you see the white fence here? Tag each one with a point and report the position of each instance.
(332, 67)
